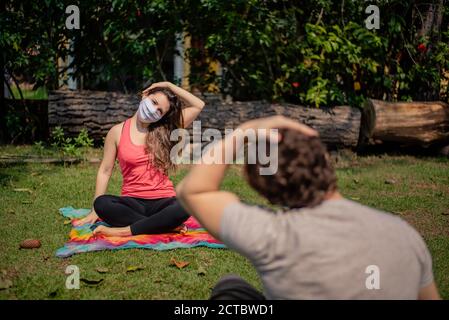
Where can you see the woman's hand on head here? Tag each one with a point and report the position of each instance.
(91, 218)
(163, 84)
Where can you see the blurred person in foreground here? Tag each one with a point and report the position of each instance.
(319, 245)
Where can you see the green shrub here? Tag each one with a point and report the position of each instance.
(71, 146)
(311, 52)
(320, 53)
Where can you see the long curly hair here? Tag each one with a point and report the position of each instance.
(305, 173)
(158, 138)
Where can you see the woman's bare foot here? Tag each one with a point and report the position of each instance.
(112, 232)
(91, 218)
(182, 229)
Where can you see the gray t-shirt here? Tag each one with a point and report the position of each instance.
(336, 250)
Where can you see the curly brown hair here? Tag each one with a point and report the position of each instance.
(158, 137)
(305, 174)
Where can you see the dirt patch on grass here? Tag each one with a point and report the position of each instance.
(9, 273)
(430, 186)
(427, 223)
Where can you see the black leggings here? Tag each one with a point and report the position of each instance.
(232, 287)
(144, 216)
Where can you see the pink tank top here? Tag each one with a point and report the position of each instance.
(140, 178)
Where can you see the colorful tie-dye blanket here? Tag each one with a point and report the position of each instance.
(82, 240)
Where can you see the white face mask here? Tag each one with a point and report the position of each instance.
(147, 112)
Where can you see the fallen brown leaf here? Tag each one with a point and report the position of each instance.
(23, 190)
(102, 270)
(5, 284)
(179, 264)
(201, 271)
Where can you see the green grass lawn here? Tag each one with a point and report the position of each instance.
(417, 189)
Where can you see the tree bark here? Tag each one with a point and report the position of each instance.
(338, 127)
(409, 123)
(99, 111)
(426, 26)
(94, 110)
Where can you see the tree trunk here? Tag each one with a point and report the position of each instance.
(409, 123)
(438, 20)
(96, 111)
(338, 126)
(99, 111)
(426, 26)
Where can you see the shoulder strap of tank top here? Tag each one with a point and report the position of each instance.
(124, 135)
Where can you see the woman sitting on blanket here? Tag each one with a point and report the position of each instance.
(147, 204)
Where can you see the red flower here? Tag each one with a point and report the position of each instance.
(138, 12)
(422, 47)
(295, 84)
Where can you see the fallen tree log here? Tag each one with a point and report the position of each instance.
(99, 111)
(338, 126)
(408, 123)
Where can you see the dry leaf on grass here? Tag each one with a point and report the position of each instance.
(102, 270)
(23, 190)
(5, 284)
(201, 271)
(92, 282)
(179, 264)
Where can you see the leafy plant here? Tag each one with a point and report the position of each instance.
(263, 47)
(58, 137)
(83, 140)
(39, 147)
(320, 53)
(71, 146)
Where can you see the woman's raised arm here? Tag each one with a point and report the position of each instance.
(193, 104)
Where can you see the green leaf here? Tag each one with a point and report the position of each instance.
(134, 269)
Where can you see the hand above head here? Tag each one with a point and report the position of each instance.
(192, 105)
(278, 122)
(163, 84)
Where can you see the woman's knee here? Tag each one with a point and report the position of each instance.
(101, 204)
(182, 212)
